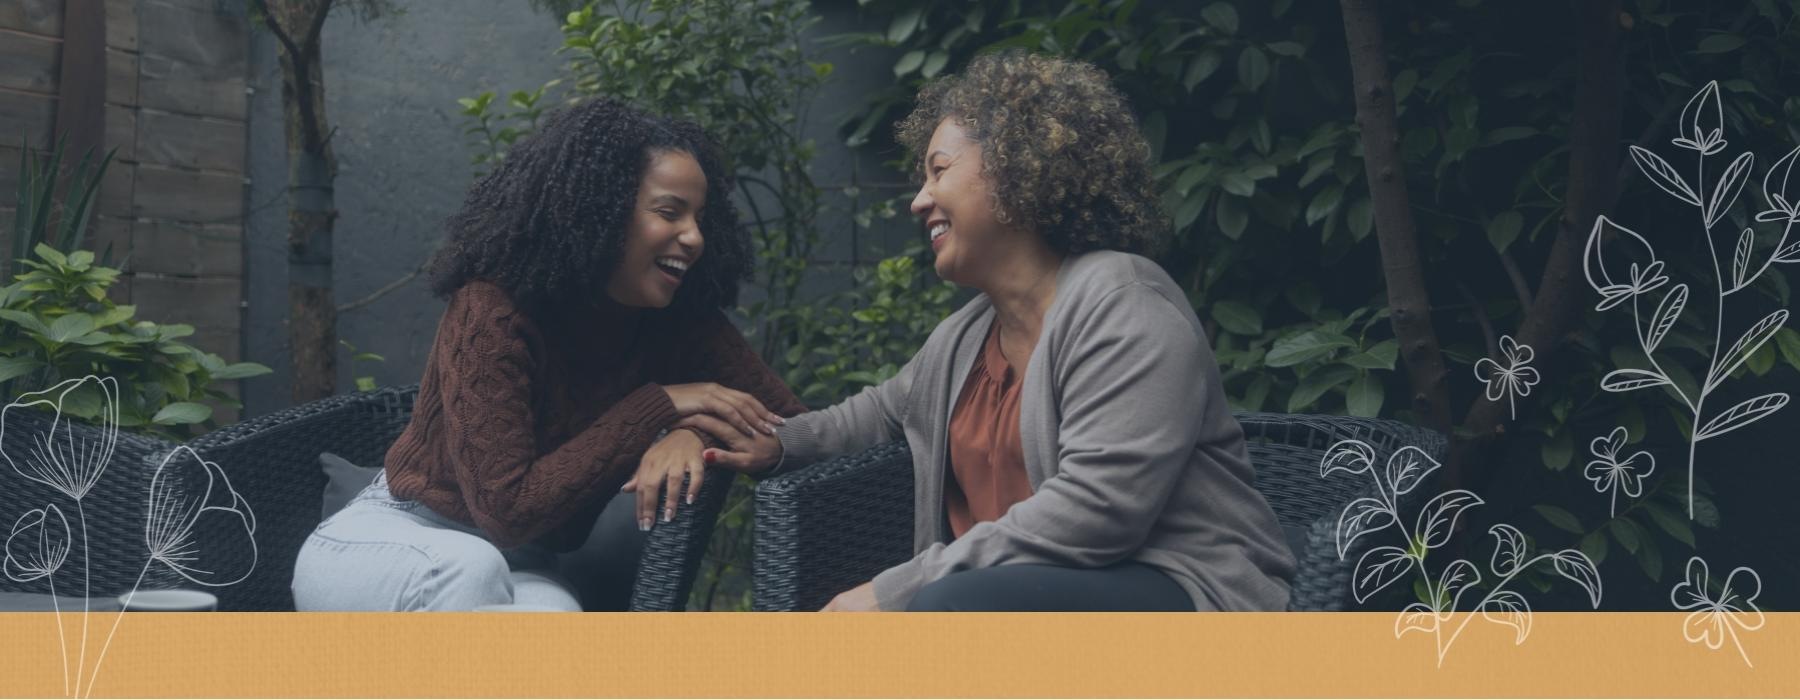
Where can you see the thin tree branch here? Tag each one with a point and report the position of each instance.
(1517, 277)
(385, 290)
(274, 26)
(1481, 319)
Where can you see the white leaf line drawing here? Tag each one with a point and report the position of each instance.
(1612, 475)
(36, 548)
(174, 512)
(70, 466)
(1619, 281)
(1382, 566)
(1714, 619)
(1513, 380)
(186, 493)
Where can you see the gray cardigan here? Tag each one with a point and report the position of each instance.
(1131, 451)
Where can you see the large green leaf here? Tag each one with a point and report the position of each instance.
(26, 319)
(1237, 317)
(14, 367)
(1304, 347)
(1232, 216)
(1365, 395)
(71, 326)
(1306, 396)
(1381, 356)
(182, 413)
(1504, 228)
(1253, 68)
(241, 370)
(1222, 16)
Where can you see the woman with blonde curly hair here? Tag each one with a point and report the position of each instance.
(1072, 447)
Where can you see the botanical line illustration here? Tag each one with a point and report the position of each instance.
(1622, 267)
(1383, 565)
(186, 493)
(1612, 475)
(1716, 617)
(1513, 380)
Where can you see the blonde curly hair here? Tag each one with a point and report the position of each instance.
(1060, 148)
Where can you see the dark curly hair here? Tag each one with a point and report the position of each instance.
(1060, 149)
(548, 224)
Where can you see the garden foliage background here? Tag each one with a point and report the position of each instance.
(1248, 105)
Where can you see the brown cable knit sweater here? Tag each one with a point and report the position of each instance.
(524, 426)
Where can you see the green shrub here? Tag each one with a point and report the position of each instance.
(57, 323)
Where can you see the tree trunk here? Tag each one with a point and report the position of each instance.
(312, 312)
(1408, 300)
(1593, 186)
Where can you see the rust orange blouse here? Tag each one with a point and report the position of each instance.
(987, 459)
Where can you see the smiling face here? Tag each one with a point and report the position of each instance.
(662, 234)
(956, 206)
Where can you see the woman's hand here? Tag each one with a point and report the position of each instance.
(858, 599)
(750, 455)
(739, 409)
(660, 472)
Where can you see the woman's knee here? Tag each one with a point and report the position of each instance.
(398, 567)
(964, 591)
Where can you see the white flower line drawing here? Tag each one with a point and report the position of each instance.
(1381, 566)
(27, 563)
(1712, 620)
(1611, 475)
(1513, 380)
(169, 528)
(1702, 131)
(175, 508)
(72, 468)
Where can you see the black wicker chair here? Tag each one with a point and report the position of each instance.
(113, 509)
(833, 525)
(273, 463)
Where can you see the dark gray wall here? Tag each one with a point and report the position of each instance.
(391, 90)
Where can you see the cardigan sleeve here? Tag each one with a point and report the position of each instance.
(512, 493)
(1129, 425)
(871, 417)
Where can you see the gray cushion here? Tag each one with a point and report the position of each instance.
(343, 481)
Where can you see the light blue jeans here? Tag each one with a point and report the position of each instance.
(385, 554)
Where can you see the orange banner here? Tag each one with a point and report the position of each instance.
(888, 655)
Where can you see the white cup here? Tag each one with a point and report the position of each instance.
(170, 600)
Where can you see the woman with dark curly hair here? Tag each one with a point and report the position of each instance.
(1072, 447)
(585, 277)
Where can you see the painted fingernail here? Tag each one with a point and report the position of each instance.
(709, 456)
(770, 429)
(780, 421)
(690, 499)
(644, 524)
(668, 514)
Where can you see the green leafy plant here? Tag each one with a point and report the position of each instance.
(864, 336)
(57, 323)
(488, 134)
(40, 217)
(363, 382)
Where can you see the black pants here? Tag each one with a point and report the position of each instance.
(1123, 587)
(604, 569)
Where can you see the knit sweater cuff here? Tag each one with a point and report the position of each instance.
(648, 407)
(799, 446)
(895, 587)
